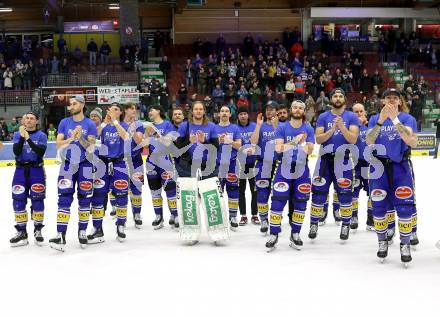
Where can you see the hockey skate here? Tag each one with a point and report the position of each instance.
(255, 220)
(82, 238)
(38, 235)
(354, 223)
(97, 236)
(20, 239)
(243, 221)
(313, 233)
(264, 227)
(59, 242)
(272, 242)
(137, 220)
(414, 240)
(405, 254)
(345, 232)
(120, 233)
(158, 222)
(233, 223)
(295, 241)
(382, 253)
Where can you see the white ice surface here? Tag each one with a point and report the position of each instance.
(153, 274)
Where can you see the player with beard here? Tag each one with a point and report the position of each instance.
(29, 179)
(246, 128)
(336, 130)
(75, 139)
(177, 117)
(283, 113)
(295, 139)
(361, 181)
(395, 130)
(197, 132)
(111, 174)
(263, 136)
(229, 142)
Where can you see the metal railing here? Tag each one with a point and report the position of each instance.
(16, 97)
(93, 79)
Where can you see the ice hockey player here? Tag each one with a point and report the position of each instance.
(295, 140)
(160, 169)
(361, 180)
(111, 174)
(76, 138)
(395, 130)
(336, 130)
(29, 179)
(229, 142)
(135, 163)
(264, 137)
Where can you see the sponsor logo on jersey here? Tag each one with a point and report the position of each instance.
(98, 183)
(167, 175)
(378, 194)
(38, 188)
(18, 189)
(85, 185)
(262, 183)
(319, 181)
(403, 192)
(281, 187)
(304, 188)
(64, 183)
(344, 182)
(120, 184)
(231, 177)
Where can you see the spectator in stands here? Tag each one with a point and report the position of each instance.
(310, 108)
(322, 103)
(189, 73)
(248, 45)
(18, 80)
(365, 82)
(220, 43)
(13, 126)
(8, 76)
(64, 66)
(137, 59)
(255, 94)
(92, 49)
(55, 65)
(3, 130)
(376, 80)
(28, 76)
(77, 55)
(158, 43)
(416, 109)
(409, 82)
(165, 67)
(202, 80)
(41, 73)
(61, 44)
(2, 79)
(218, 95)
(144, 48)
(104, 52)
(437, 136)
(183, 95)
